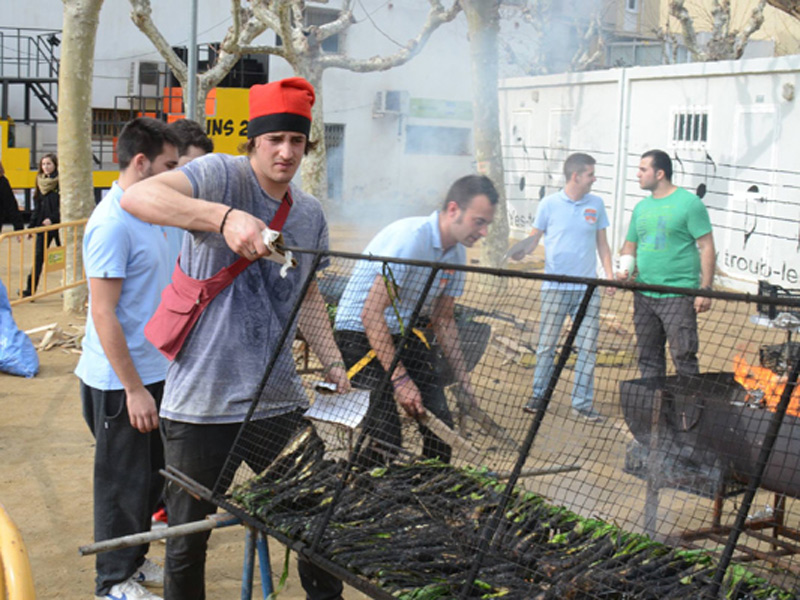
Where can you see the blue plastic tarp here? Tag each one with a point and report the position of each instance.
(17, 353)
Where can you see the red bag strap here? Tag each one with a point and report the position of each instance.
(275, 224)
(283, 211)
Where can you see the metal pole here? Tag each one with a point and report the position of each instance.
(249, 563)
(190, 100)
(262, 546)
(490, 528)
(136, 539)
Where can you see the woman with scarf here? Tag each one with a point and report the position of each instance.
(47, 211)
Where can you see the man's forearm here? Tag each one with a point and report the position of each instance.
(154, 201)
(604, 251)
(314, 324)
(708, 260)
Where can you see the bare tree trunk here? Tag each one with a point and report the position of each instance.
(483, 19)
(74, 130)
(315, 171)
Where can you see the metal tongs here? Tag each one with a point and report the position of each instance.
(273, 240)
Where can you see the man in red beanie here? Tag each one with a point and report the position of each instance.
(224, 202)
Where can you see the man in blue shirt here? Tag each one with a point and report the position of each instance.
(573, 223)
(122, 374)
(379, 300)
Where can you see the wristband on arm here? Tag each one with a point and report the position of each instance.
(330, 367)
(224, 218)
(400, 381)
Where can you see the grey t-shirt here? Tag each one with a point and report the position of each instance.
(216, 375)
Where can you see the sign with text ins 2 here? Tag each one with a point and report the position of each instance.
(228, 125)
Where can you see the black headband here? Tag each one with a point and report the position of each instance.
(278, 122)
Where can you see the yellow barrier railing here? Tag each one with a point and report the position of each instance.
(18, 260)
(16, 578)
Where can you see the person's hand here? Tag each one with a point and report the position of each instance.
(407, 395)
(338, 376)
(142, 410)
(47, 222)
(622, 275)
(702, 304)
(242, 233)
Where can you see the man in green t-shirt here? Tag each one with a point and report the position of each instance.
(671, 240)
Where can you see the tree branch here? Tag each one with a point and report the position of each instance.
(231, 49)
(753, 24)
(437, 16)
(678, 10)
(141, 15)
(342, 22)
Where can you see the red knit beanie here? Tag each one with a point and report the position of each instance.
(283, 105)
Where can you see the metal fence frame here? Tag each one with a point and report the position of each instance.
(218, 495)
(71, 233)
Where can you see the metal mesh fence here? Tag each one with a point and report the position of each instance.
(579, 441)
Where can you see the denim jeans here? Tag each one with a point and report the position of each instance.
(556, 305)
(127, 483)
(661, 320)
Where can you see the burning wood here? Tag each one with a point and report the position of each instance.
(765, 386)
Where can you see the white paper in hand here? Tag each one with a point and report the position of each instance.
(345, 409)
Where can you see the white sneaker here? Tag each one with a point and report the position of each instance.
(149, 573)
(128, 590)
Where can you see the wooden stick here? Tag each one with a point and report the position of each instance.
(543, 471)
(42, 328)
(449, 436)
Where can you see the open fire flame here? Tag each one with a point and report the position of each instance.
(764, 386)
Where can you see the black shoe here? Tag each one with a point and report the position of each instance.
(534, 405)
(26, 293)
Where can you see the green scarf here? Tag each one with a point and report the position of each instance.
(46, 184)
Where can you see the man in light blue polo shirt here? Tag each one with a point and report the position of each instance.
(122, 374)
(573, 223)
(378, 302)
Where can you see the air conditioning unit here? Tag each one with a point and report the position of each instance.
(146, 78)
(390, 102)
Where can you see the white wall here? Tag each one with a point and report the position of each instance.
(618, 114)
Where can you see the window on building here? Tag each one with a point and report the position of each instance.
(690, 128)
(422, 139)
(632, 5)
